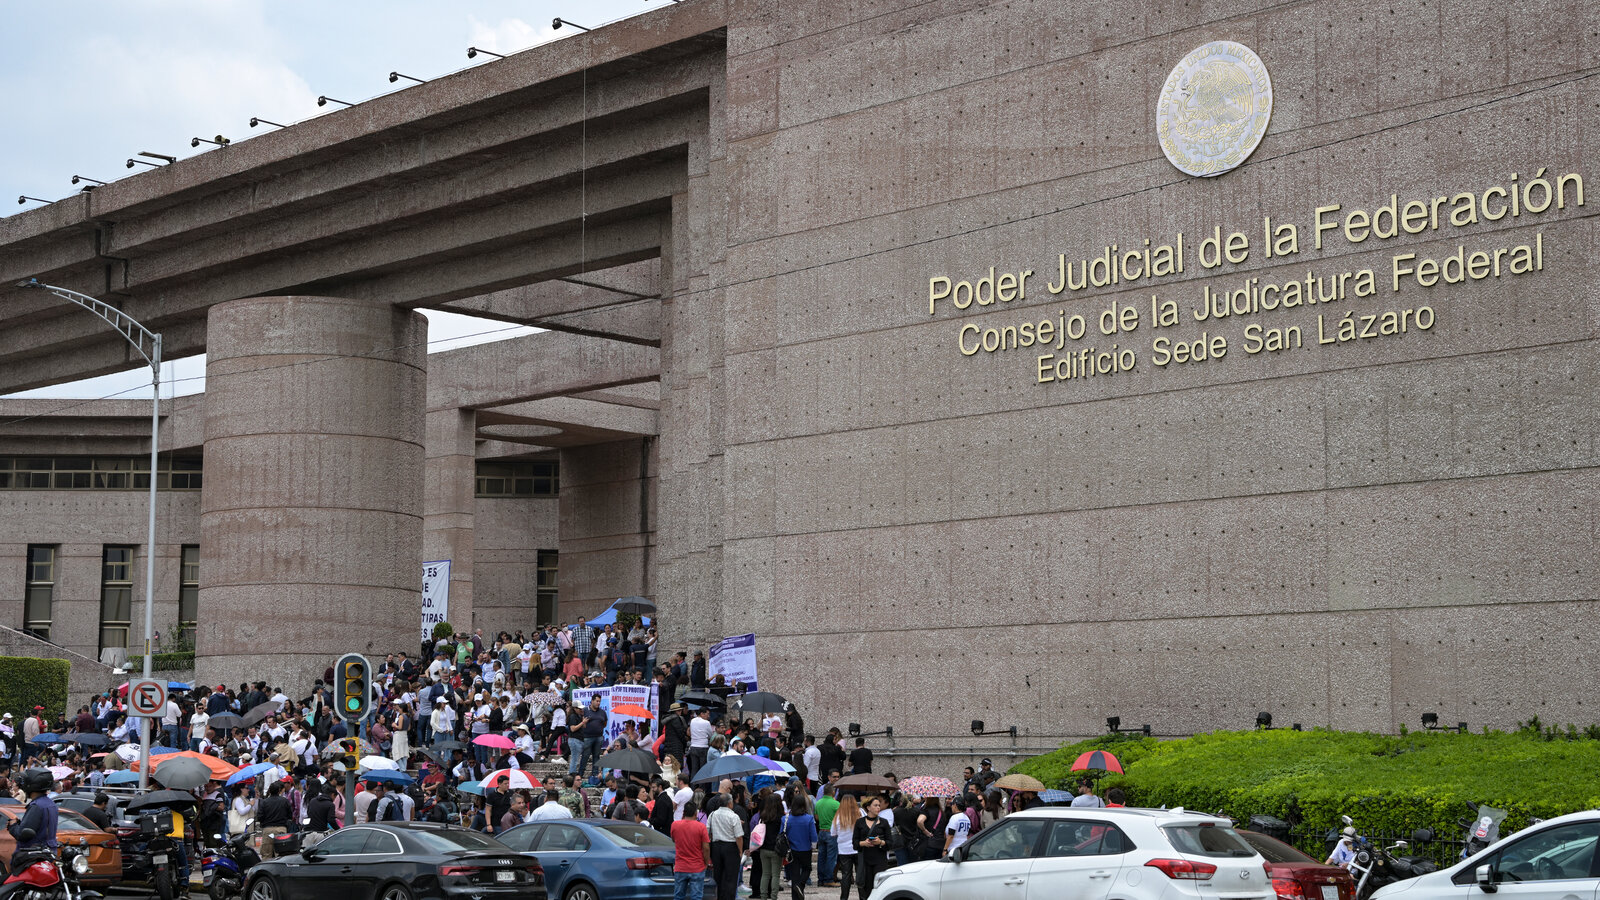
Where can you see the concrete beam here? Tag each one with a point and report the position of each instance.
(638, 322)
(565, 411)
(500, 374)
(530, 303)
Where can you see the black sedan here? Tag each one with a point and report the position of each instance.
(399, 861)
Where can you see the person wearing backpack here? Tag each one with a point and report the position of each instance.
(800, 833)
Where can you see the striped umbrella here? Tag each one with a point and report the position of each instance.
(1097, 760)
(929, 786)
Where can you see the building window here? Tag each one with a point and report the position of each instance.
(545, 606)
(41, 590)
(97, 473)
(189, 590)
(536, 478)
(116, 595)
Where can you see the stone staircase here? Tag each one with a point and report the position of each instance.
(550, 773)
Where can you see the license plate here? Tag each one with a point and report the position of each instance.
(159, 859)
(1330, 892)
(512, 876)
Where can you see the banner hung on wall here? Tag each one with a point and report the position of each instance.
(435, 596)
(734, 658)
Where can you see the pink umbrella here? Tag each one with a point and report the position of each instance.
(516, 777)
(499, 742)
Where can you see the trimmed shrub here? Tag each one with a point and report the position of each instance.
(26, 682)
(163, 662)
(1386, 783)
(443, 630)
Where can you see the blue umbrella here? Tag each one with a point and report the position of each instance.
(1055, 796)
(179, 686)
(48, 738)
(728, 767)
(122, 777)
(387, 776)
(163, 751)
(248, 772)
(471, 787)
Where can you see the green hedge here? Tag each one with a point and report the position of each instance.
(26, 682)
(163, 662)
(1386, 783)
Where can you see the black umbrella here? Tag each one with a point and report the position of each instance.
(258, 714)
(183, 773)
(759, 702)
(89, 739)
(447, 746)
(160, 800)
(637, 605)
(702, 698)
(222, 721)
(630, 759)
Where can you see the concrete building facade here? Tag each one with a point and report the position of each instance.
(889, 331)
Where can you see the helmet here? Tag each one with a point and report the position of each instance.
(36, 781)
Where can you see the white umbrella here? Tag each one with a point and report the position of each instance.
(368, 763)
(128, 752)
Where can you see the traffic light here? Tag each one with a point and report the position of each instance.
(355, 696)
(350, 755)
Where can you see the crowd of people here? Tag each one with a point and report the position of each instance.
(431, 712)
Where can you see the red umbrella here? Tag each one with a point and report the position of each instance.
(1097, 759)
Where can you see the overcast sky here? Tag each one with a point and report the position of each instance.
(86, 84)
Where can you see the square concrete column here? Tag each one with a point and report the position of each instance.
(311, 515)
(451, 482)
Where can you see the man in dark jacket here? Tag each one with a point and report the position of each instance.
(319, 810)
(675, 730)
(661, 813)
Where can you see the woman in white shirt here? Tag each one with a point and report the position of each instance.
(843, 832)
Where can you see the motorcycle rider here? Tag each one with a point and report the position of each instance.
(41, 815)
(1344, 852)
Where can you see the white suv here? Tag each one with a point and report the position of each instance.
(1548, 861)
(1066, 853)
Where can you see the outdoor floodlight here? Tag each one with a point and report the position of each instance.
(474, 51)
(556, 24)
(855, 728)
(254, 121)
(1263, 720)
(1430, 720)
(25, 198)
(144, 161)
(396, 76)
(977, 726)
(323, 101)
(1113, 723)
(78, 178)
(219, 140)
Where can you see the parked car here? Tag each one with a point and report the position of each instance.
(1297, 876)
(1054, 852)
(400, 861)
(589, 859)
(102, 847)
(1553, 859)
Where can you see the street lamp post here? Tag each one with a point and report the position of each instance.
(148, 344)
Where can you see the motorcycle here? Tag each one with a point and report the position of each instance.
(1376, 866)
(154, 855)
(39, 874)
(1482, 830)
(224, 868)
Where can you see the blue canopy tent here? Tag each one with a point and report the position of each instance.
(609, 617)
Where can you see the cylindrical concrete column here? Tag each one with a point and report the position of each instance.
(311, 513)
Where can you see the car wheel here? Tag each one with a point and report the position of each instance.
(263, 889)
(395, 892)
(580, 892)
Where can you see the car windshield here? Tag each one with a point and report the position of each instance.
(455, 841)
(1206, 839)
(1274, 850)
(72, 821)
(627, 834)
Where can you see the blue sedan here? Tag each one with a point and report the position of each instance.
(590, 859)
